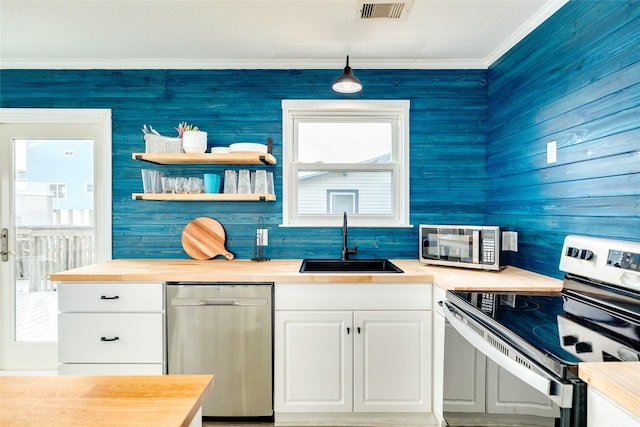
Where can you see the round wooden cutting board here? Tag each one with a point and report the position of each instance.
(204, 238)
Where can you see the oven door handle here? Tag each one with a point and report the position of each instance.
(558, 392)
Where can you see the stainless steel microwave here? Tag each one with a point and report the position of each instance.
(464, 246)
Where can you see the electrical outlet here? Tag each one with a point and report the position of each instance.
(510, 241)
(262, 236)
(552, 148)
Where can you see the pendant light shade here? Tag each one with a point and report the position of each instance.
(347, 82)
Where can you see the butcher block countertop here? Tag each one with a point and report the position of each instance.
(110, 401)
(619, 381)
(287, 271)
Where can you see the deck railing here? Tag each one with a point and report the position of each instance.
(41, 251)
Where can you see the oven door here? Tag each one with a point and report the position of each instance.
(489, 381)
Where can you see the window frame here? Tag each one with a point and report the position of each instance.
(294, 111)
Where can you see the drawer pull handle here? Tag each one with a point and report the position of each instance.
(106, 297)
(105, 339)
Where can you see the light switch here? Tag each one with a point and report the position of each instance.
(552, 147)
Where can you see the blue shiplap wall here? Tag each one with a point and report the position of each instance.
(478, 140)
(448, 150)
(575, 80)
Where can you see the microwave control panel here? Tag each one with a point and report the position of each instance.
(488, 247)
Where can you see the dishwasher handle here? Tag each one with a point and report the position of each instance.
(237, 302)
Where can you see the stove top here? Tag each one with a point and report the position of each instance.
(562, 328)
(595, 318)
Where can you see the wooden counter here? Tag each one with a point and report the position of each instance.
(286, 271)
(619, 381)
(510, 279)
(123, 401)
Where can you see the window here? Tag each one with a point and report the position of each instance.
(345, 156)
(339, 201)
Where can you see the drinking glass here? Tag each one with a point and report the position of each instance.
(261, 182)
(211, 183)
(151, 181)
(168, 184)
(270, 186)
(230, 181)
(244, 182)
(181, 185)
(195, 185)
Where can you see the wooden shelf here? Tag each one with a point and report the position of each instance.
(246, 158)
(205, 197)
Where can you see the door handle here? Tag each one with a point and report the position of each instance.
(4, 245)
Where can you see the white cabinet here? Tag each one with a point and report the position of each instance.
(313, 352)
(473, 383)
(392, 366)
(110, 328)
(343, 348)
(464, 374)
(601, 411)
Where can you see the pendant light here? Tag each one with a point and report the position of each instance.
(347, 82)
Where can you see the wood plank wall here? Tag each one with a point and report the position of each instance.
(477, 150)
(575, 80)
(448, 151)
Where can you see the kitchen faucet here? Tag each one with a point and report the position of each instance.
(345, 248)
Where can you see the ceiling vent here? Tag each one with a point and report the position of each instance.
(381, 9)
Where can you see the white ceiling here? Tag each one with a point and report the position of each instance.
(254, 34)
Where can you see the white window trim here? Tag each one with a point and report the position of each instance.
(102, 162)
(292, 109)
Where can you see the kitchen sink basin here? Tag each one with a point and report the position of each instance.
(348, 266)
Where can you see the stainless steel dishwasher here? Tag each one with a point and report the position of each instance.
(224, 329)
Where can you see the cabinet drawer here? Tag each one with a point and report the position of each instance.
(110, 297)
(110, 338)
(110, 369)
(345, 296)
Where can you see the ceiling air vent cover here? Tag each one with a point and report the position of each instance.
(380, 9)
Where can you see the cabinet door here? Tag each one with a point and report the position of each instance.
(601, 411)
(507, 394)
(392, 361)
(313, 361)
(464, 374)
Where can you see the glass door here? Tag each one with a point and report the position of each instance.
(48, 225)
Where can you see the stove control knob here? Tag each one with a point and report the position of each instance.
(584, 347)
(586, 254)
(573, 252)
(568, 340)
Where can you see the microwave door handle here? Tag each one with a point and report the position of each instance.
(560, 393)
(476, 246)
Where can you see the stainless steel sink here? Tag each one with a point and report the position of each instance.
(349, 266)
